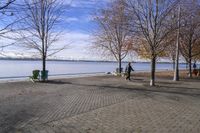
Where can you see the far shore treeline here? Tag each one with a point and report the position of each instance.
(38, 59)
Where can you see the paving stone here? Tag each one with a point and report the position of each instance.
(95, 106)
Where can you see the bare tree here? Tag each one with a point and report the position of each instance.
(4, 4)
(40, 20)
(190, 33)
(113, 36)
(196, 51)
(5, 13)
(150, 21)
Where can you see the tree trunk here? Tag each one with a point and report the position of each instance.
(43, 60)
(120, 65)
(176, 72)
(190, 67)
(43, 67)
(153, 68)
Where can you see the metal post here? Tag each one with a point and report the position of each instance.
(176, 72)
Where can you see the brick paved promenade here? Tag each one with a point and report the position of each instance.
(100, 105)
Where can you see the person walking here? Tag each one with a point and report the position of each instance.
(194, 65)
(194, 69)
(128, 71)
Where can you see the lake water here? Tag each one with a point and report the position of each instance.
(20, 68)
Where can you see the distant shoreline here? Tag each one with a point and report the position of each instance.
(59, 60)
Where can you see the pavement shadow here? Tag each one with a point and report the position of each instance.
(56, 82)
(10, 120)
(147, 89)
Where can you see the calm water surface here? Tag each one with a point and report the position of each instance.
(20, 68)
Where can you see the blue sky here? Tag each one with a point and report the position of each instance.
(78, 16)
(77, 25)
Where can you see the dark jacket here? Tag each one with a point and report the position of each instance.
(194, 65)
(129, 69)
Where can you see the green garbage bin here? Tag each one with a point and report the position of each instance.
(44, 75)
(35, 76)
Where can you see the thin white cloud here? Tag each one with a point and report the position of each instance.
(87, 3)
(70, 19)
(77, 43)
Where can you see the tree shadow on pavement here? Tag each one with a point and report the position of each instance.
(148, 89)
(56, 82)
